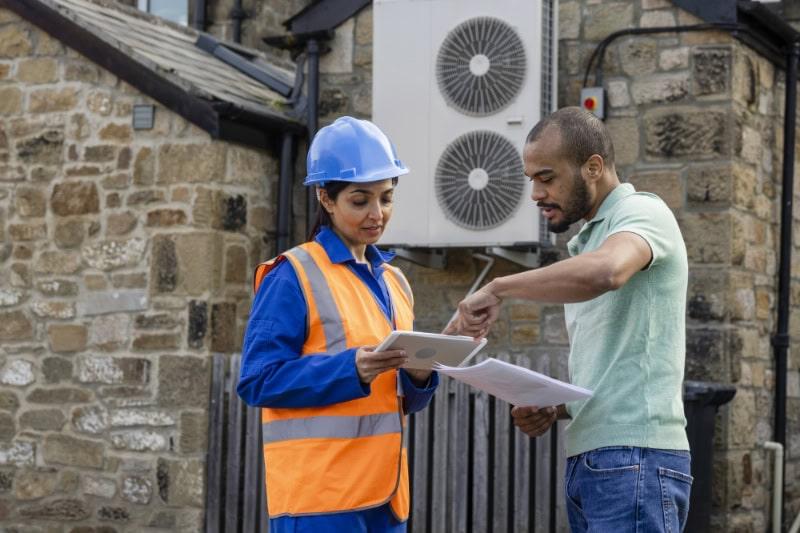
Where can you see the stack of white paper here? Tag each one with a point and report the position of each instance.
(515, 384)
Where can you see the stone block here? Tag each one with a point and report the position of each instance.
(707, 237)
(340, 59)
(59, 396)
(625, 134)
(10, 101)
(569, 20)
(34, 231)
(656, 19)
(43, 420)
(11, 297)
(166, 217)
(684, 132)
(50, 309)
(69, 233)
(237, 269)
(249, 167)
(37, 71)
(29, 202)
(140, 417)
(65, 338)
(144, 167)
(17, 373)
(711, 70)
(112, 370)
(618, 95)
(164, 270)
(157, 321)
(63, 510)
(601, 20)
(113, 514)
(707, 354)
(46, 148)
(92, 419)
(8, 400)
(193, 432)
(181, 482)
(709, 186)
(17, 453)
(52, 262)
(198, 323)
(744, 80)
(6, 481)
(140, 441)
(35, 484)
(129, 280)
(194, 163)
(120, 223)
(638, 57)
(75, 198)
(100, 103)
(109, 332)
(223, 327)
(53, 100)
(101, 487)
(662, 88)
(156, 342)
(137, 490)
(674, 58)
(707, 294)
(198, 276)
(121, 133)
(109, 255)
(751, 145)
(667, 185)
(183, 381)
(8, 427)
(116, 301)
(15, 326)
(15, 41)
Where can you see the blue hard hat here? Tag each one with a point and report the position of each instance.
(352, 150)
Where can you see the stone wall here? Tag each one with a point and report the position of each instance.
(125, 260)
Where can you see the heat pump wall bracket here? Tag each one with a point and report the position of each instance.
(427, 257)
(526, 257)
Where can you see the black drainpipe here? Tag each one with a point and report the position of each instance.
(199, 16)
(312, 48)
(780, 341)
(285, 193)
(237, 15)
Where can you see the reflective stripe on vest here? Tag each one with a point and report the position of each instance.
(332, 323)
(331, 427)
(350, 455)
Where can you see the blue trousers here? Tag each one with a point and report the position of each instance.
(628, 490)
(376, 520)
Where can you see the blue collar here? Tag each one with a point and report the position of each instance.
(339, 253)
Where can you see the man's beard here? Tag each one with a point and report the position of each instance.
(577, 208)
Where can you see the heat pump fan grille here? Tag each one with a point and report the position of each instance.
(479, 180)
(481, 66)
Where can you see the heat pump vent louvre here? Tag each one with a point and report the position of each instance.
(479, 180)
(481, 66)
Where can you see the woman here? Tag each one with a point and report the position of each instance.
(333, 409)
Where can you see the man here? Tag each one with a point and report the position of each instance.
(624, 290)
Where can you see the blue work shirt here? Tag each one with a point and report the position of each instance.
(273, 374)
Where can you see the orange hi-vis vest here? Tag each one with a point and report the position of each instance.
(350, 455)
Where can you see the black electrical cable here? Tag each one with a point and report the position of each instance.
(600, 49)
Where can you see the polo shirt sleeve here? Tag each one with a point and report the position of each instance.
(647, 216)
(273, 373)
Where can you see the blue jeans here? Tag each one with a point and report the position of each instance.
(624, 489)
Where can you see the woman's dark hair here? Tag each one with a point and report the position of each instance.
(333, 188)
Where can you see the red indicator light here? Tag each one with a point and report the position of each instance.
(590, 103)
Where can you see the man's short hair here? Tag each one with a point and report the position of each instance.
(582, 135)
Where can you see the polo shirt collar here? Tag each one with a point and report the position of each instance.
(338, 252)
(619, 192)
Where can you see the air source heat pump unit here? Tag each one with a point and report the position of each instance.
(457, 85)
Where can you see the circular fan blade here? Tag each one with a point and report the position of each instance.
(479, 180)
(481, 66)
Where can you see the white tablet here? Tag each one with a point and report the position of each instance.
(425, 349)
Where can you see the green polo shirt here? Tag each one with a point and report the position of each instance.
(628, 345)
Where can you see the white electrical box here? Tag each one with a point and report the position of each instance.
(457, 85)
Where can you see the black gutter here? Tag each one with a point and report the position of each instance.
(323, 15)
(283, 237)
